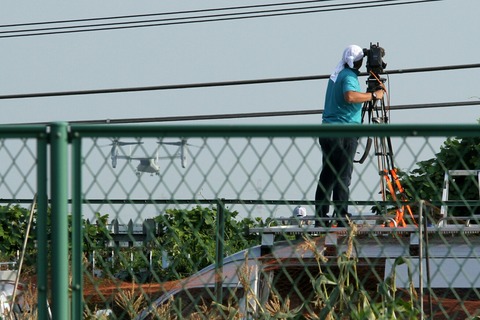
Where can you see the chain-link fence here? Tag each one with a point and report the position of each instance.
(201, 222)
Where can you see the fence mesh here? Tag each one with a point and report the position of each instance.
(221, 224)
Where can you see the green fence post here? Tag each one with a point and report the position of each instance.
(59, 203)
(219, 251)
(41, 233)
(77, 230)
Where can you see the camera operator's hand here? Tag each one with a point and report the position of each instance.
(378, 95)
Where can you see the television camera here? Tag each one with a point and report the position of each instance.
(375, 65)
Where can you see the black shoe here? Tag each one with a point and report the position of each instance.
(343, 222)
(322, 223)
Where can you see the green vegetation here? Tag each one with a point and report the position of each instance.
(13, 226)
(188, 237)
(426, 181)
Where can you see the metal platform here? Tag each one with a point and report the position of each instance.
(443, 250)
(363, 225)
(375, 239)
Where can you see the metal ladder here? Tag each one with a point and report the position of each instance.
(446, 188)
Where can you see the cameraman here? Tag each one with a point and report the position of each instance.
(343, 105)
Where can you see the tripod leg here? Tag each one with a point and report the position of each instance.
(367, 107)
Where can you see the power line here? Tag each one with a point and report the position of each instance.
(195, 19)
(264, 114)
(251, 114)
(219, 84)
(158, 14)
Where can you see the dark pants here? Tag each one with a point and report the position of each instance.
(336, 175)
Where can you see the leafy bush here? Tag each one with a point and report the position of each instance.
(188, 237)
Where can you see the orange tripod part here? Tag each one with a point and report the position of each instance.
(399, 217)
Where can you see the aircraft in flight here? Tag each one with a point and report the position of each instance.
(148, 164)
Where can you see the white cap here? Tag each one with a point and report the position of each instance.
(299, 211)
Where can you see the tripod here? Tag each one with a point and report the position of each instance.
(377, 113)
